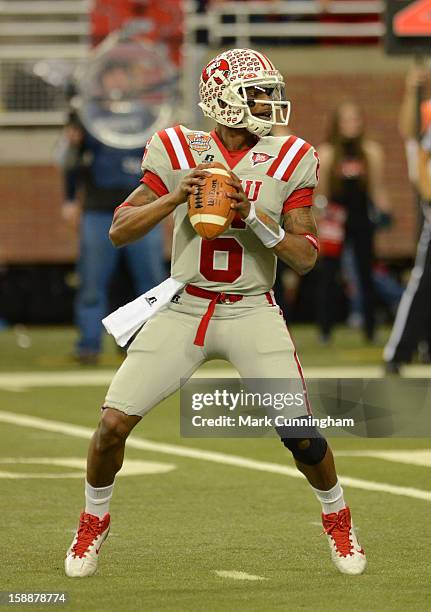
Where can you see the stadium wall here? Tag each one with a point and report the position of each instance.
(317, 78)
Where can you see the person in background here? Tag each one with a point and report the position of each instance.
(97, 179)
(412, 325)
(417, 77)
(387, 289)
(351, 186)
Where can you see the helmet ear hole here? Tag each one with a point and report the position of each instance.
(221, 103)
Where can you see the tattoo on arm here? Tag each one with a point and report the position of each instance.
(142, 195)
(273, 225)
(300, 221)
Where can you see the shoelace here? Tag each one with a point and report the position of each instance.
(339, 529)
(88, 531)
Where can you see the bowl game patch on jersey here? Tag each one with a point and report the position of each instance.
(199, 141)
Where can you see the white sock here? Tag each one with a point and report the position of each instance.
(332, 500)
(97, 499)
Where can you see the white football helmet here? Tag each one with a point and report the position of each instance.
(223, 91)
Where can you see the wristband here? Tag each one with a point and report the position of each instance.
(266, 235)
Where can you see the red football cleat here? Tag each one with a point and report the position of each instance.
(83, 554)
(346, 551)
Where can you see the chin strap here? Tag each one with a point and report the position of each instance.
(255, 128)
(269, 237)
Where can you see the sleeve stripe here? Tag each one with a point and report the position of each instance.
(155, 183)
(291, 166)
(185, 147)
(298, 199)
(287, 153)
(164, 137)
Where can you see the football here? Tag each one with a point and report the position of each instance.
(209, 209)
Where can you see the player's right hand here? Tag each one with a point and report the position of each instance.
(189, 184)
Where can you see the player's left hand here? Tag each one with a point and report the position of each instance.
(240, 201)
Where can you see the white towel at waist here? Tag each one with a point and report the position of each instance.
(126, 320)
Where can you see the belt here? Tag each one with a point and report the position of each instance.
(215, 298)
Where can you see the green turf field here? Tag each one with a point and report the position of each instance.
(42, 348)
(179, 517)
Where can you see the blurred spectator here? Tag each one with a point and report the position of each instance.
(412, 326)
(101, 178)
(414, 111)
(162, 21)
(387, 289)
(418, 78)
(350, 190)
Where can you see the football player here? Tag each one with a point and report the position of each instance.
(226, 308)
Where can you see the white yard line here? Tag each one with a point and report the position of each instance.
(212, 456)
(70, 378)
(131, 467)
(411, 456)
(19, 381)
(235, 575)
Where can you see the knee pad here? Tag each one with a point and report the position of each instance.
(308, 450)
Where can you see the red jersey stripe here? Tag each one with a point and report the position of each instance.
(298, 199)
(155, 183)
(232, 157)
(185, 147)
(295, 161)
(169, 149)
(284, 149)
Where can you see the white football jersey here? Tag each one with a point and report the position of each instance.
(277, 173)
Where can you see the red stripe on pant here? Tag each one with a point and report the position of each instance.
(299, 367)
